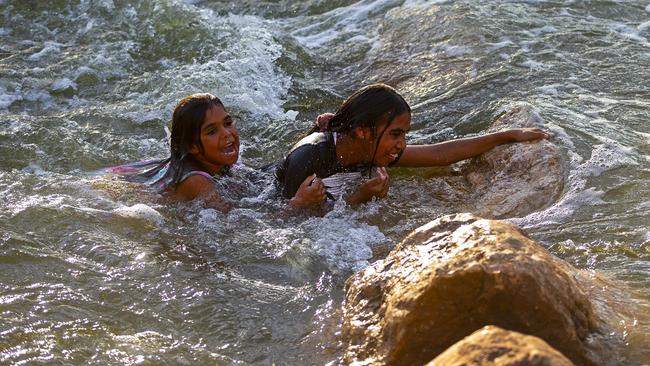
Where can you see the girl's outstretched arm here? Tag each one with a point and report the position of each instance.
(452, 151)
(200, 187)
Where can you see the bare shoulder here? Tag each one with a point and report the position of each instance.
(194, 186)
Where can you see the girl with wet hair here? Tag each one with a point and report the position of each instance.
(365, 135)
(204, 144)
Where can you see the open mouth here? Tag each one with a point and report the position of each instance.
(230, 149)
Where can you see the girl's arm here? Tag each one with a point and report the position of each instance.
(200, 187)
(449, 152)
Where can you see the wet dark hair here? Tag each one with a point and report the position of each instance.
(187, 119)
(370, 106)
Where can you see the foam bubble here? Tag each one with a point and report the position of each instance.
(89, 26)
(49, 48)
(37, 96)
(8, 98)
(647, 8)
(63, 85)
(543, 30)
(498, 45)
(140, 211)
(452, 50)
(549, 89)
(629, 33)
(534, 65)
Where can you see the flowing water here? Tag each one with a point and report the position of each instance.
(93, 273)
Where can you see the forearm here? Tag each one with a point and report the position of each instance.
(450, 152)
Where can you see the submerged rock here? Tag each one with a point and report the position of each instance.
(511, 180)
(457, 274)
(494, 346)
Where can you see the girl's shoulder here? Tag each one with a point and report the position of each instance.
(317, 140)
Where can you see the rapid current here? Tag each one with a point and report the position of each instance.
(93, 274)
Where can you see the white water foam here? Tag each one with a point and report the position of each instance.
(550, 89)
(543, 30)
(8, 98)
(337, 242)
(535, 65)
(607, 156)
(504, 42)
(350, 21)
(243, 75)
(63, 84)
(49, 48)
(140, 211)
(647, 8)
(453, 50)
(629, 33)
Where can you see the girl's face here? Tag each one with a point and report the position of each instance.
(393, 141)
(220, 140)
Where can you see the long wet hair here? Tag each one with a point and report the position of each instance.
(370, 106)
(187, 119)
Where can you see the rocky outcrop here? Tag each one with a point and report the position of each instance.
(516, 179)
(455, 275)
(510, 180)
(494, 346)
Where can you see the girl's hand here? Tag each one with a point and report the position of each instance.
(310, 193)
(375, 187)
(527, 134)
(323, 121)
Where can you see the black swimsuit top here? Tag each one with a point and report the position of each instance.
(315, 153)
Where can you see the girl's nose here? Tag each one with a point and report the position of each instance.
(401, 143)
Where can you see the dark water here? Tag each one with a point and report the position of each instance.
(96, 274)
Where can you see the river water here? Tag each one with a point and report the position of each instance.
(93, 273)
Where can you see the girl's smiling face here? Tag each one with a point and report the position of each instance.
(220, 140)
(393, 140)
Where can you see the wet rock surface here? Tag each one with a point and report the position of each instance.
(511, 180)
(494, 346)
(457, 274)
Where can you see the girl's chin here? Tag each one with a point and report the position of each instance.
(230, 159)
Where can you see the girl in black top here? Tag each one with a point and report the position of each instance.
(366, 134)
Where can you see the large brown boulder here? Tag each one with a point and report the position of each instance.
(455, 275)
(493, 346)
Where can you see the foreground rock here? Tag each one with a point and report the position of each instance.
(455, 275)
(510, 180)
(498, 347)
